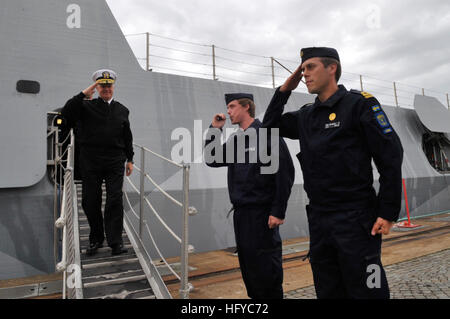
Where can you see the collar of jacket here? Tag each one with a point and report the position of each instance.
(332, 100)
(255, 124)
(105, 102)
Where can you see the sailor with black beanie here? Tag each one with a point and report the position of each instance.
(340, 134)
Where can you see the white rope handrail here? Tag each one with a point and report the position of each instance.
(159, 188)
(160, 156)
(156, 214)
(157, 249)
(131, 207)
(160, 254)
(162, 222)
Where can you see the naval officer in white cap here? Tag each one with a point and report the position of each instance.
(106, 144)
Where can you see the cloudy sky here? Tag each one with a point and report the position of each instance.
(407, 41)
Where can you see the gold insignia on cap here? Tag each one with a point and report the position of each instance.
(332, 117)
(301, 53)
(106, 75)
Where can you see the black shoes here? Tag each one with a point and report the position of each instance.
(118, 249)
(92, 250)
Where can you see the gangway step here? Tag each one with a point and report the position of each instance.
(110, 277)
(104, 254)
(113, 263)
(84, 243)
(84, 231)
(133, 289)
(103, 269)
(124, 294)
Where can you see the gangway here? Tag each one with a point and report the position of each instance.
(103, 276)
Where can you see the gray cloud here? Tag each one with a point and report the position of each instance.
(406, 41)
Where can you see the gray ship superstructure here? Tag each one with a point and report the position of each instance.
(55, 46)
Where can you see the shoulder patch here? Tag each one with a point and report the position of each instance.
(381, 119)
(366, 95)
(376, 108)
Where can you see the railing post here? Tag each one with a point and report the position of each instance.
(423, 92)
(273, 72)
(141, 192)
(395, 94)
(448, 102)
(214, 61)
(361, 82)
(184, 289)
(148, 51)
(55, 198)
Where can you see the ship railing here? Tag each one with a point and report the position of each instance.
(185, 286)
(55, 169)
(70, 263)
(206, 60)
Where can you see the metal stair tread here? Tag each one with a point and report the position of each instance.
(109, 278)
(109, 269)
(106, 256)
(104, 250)
(111, 263)
(137, 294)
(98, 290)
(84, 233)
(112, 282)
(84, 243)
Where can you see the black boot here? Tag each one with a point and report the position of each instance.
(92, 250)
(118, 249)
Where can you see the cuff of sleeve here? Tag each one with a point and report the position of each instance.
(211, 126)
(283, 95)
(278, 212)
(388, 214)
(81, 95)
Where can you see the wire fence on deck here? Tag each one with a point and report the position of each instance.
(174, 56)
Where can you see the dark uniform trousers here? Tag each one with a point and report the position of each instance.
(259, 251)
(96, 169)
(341, 251)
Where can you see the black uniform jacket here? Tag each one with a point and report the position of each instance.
(103, 129)
(247, 186)
(338, 140)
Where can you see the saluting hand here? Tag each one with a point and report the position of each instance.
(293, 81)
(381, 226)
(274, 222)
(89, 92)
(219, 123)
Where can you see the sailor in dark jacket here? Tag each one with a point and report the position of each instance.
(259, 192)
(106, 143)
(340, 134)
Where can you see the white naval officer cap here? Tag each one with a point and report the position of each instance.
(104, 76)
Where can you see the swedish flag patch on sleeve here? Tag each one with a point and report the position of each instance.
(382, 119)
(376, 108)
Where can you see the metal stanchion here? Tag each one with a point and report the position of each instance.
(184, 290)
(141, 192)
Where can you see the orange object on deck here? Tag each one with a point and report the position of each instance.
(406, 224)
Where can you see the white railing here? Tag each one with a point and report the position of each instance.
(186, 212)
(70, 263)
(174, 56)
